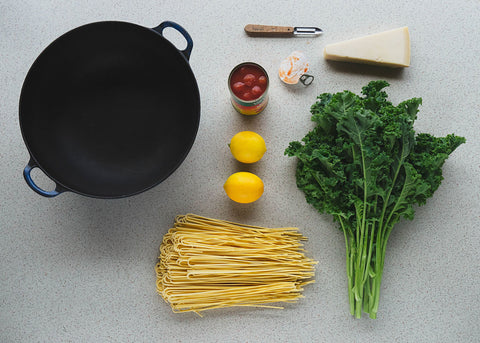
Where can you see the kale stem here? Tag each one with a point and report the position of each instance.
(361, 255)
(379, 263)
(367, 295)
(389, 193)
(389, 224)
(358, 284)
(367, 268)
(349, 265)
(351, 291)
(387, 234)
(370, 252)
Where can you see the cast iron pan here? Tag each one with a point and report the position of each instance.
(109, 109)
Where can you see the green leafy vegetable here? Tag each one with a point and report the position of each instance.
(364, 164)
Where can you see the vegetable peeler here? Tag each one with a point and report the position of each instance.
(281, 31)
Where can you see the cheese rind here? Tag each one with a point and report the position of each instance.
(390, 48)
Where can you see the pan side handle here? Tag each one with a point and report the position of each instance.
(188, 50)
(28, 178)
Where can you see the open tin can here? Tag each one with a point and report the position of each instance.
(248, 85)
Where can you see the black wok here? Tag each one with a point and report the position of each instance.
(109, 109)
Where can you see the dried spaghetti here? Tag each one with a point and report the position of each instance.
(207, 263)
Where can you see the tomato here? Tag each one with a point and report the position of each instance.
(249, 79)
(238, 87)
(248, 82)
(247, 96)
(262, 80)
(257, 91)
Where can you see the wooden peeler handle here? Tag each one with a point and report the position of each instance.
(268, 30)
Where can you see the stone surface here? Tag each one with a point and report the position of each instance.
(75, 269)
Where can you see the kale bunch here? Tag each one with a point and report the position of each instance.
(364, 164)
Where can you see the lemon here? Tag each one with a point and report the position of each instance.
(247, 146)
(244, 187)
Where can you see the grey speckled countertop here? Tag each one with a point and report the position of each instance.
(75, 269)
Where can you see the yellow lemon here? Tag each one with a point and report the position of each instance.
(244, 187)
(247, 146)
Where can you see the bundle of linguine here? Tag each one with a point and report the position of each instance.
(208, 263)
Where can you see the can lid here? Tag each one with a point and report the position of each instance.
(293, 67)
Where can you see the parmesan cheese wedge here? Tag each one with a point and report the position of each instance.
(389, 49)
